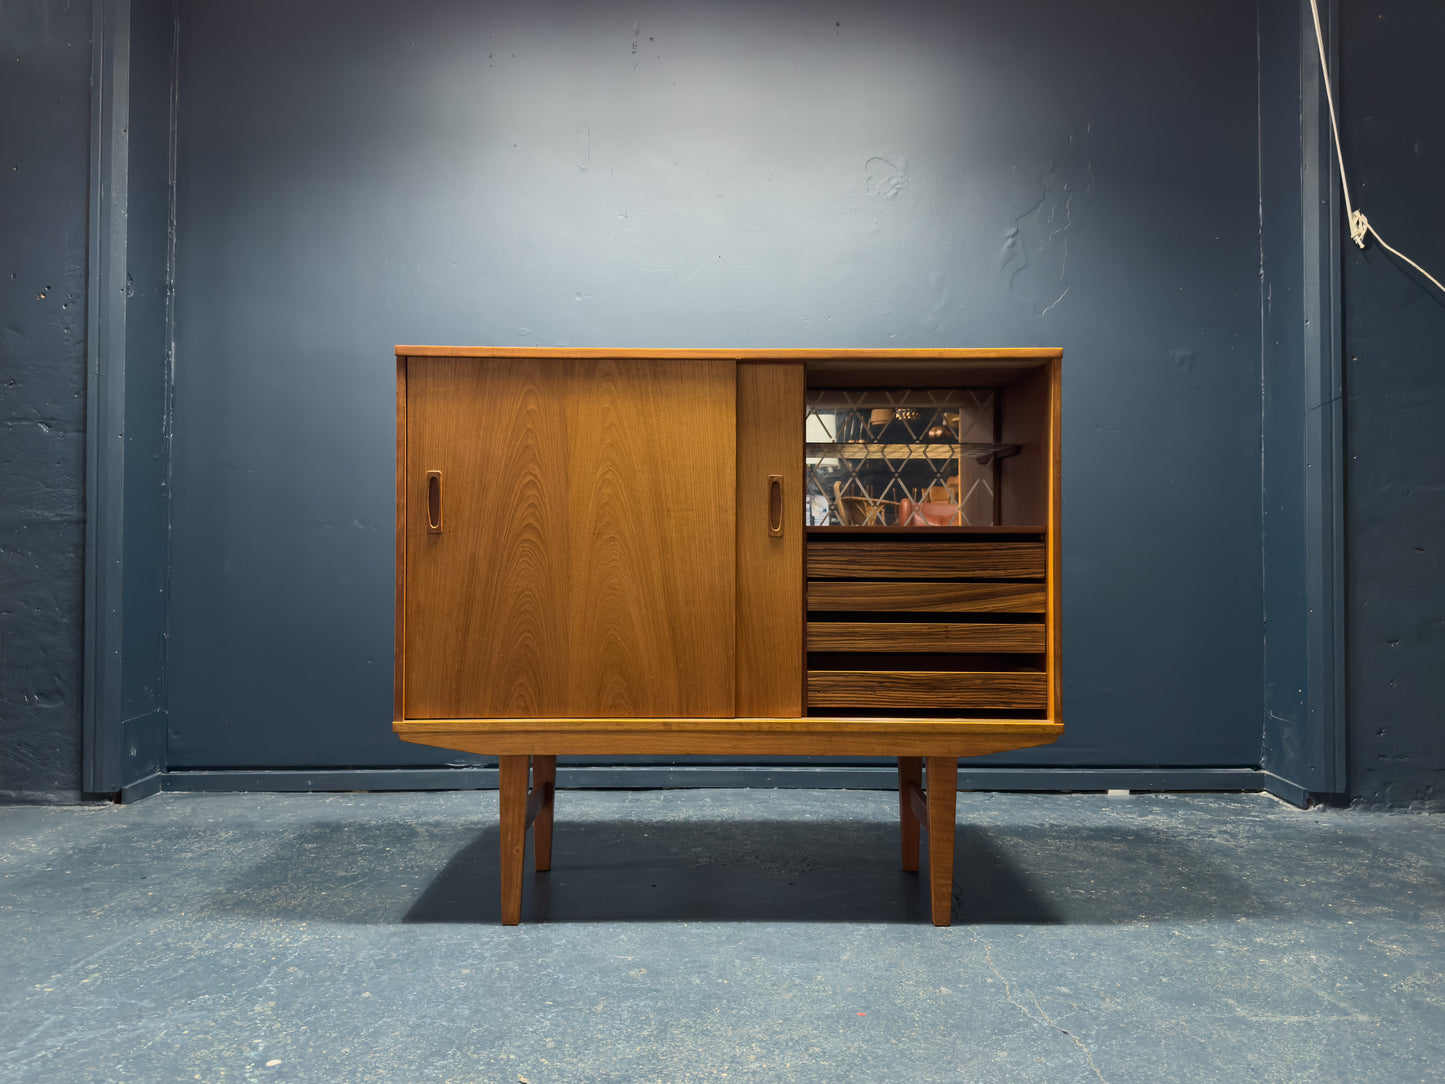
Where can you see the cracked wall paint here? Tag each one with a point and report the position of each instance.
(583, 137)
(882, 178)
(1035, 253)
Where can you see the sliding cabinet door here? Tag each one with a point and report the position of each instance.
(570, 538)
(770, 502)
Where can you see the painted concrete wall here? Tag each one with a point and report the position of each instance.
(1392, 85)
(1283, 394)
(354, 175)
(142, 742)
(44, 151)
(527, 236)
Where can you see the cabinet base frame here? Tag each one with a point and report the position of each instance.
(530, 746)
(934, 810)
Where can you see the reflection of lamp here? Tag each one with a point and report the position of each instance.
(821, 428)
(817, 510)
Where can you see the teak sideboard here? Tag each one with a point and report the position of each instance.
(745, 552)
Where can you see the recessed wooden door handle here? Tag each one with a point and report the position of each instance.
(775, 505)
(434, 502)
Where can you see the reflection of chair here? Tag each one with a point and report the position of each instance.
(864, 511)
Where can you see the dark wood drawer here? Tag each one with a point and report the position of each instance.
(847, 559)
(900, 690)
(924, 597)
(924, 636)
(844, 595)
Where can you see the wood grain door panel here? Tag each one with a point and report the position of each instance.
(651, 473)
(486, 615)
(586, 561)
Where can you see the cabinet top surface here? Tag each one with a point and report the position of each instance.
(818, 354)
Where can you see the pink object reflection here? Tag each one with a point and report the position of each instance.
(927, 513)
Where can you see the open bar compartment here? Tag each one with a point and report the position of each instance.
(918, 457)
(928, 557)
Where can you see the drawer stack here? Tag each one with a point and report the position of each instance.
(914, 624)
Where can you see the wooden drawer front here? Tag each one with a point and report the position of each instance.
(843, 595)
(924, 597)
(923, 636)
(895, 690)
(934, 560)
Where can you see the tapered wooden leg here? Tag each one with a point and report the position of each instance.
(942, 807)
(910, 778)
(544, 779)
(512, 788)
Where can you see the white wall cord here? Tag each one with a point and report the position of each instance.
(1359, 224)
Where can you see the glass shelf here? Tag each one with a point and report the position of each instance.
(978, 451)
(1023, 532)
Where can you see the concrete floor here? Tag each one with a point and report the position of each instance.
(719, 935)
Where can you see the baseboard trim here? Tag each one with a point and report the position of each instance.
(649, 777)
(1286, 791)
(144, 788)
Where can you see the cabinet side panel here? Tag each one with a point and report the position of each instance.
(651, 475)
(1024, 478)
(1055, 536)
(399, 613)
(770, 660)
(1030, 484)
(487, 595)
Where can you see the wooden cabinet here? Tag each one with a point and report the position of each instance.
(609, 552)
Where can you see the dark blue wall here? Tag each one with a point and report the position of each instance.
(1393, 85)
(44, 155)
(1283, 391)
(147, 389)
(1302, 427)
(712, 174)
(720, 175)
